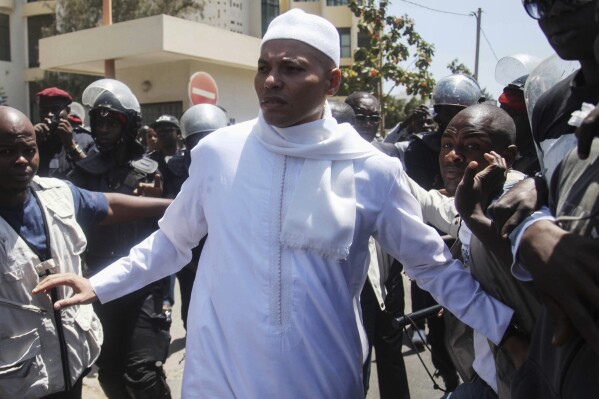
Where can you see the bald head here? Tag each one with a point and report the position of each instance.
(19, 158)
(474, 131)
(489, 119)
(11, 118)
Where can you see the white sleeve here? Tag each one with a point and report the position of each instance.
(437, 209)
(426, 259)
(519, 270)
(164, 252)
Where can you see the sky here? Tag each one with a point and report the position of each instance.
(505, 23)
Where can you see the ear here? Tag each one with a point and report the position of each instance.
(510, 155)
(334, 81)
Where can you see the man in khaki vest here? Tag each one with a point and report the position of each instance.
(45, 353)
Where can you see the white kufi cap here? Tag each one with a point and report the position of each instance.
(307, 28)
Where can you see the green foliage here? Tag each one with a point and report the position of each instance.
(398, 109)
(393, 42)
(457, 67)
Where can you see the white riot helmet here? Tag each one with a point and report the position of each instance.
(110, 95)
(202, 119)
(548, 73)
(457, 89)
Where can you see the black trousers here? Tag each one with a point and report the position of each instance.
(391, 369)
(136, 342)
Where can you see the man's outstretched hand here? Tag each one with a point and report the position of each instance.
(82, 288)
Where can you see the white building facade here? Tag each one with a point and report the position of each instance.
(154, 56)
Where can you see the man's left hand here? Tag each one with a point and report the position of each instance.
(64, 131)
(153, 190)
(476, 190)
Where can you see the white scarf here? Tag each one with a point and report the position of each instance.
(322, 213)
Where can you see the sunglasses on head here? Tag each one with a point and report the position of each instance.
(539, 9)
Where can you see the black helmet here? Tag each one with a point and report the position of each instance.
(202, 119)
(167, 120)
(106, 96)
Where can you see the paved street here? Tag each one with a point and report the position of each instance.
(421, 386)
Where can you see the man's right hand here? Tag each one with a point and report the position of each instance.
(517, 204)
(82, 288)
(41, 132)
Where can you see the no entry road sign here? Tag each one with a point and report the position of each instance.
(202, 89)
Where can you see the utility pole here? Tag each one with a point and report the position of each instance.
(109, 68)
(478, 16)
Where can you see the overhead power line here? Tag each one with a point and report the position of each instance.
(436, 10)
(489, 43)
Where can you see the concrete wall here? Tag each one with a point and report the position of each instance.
(11, 72)
(169, 82)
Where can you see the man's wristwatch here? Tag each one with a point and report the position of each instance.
(75, 153)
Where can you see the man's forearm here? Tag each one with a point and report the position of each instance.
(126, 208)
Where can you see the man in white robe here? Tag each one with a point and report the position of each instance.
(289, 200)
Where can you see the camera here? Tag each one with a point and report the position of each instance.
(53, 123)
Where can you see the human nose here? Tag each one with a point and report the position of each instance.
(22, 159)
(454, 156)
(101, 125)
(272, 80)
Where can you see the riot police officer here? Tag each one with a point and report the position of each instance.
(136, 332)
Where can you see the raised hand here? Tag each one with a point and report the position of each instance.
(476, 190)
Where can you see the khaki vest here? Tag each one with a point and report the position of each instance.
(30, 358)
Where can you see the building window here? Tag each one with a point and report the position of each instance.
(4, 37)
(337, 2)
(35, 25)
(345, 42)
(151, 112)
(270, 9)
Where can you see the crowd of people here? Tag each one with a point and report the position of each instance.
(291, 234)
